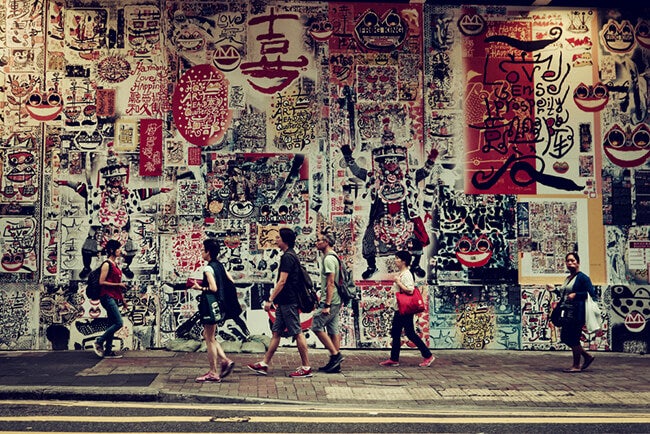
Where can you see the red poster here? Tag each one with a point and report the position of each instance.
(150, 147)
(200, 105)
(500, 134)
(194, 156)
(105, 102)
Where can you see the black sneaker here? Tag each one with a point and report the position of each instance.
(112, 355)
(335, 363)
(329, 364)
(369, 272)
(336, 370)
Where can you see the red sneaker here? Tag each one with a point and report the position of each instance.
(389, 362)
(259, 368)
(428, 361)
(301, 372)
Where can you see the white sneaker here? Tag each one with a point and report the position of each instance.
(98, 349)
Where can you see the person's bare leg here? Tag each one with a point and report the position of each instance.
(301, 342)
(327, 342)
(273, 346)
(577, 354)
(212, 347)
(336, 340)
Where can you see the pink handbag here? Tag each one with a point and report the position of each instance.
(409, 304)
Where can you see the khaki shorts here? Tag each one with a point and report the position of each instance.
(329, 323)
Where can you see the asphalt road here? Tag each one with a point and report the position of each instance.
(92, 416)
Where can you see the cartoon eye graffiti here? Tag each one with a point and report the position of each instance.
(392, 20)
(190, 41)
(629, 148)
(632, 305)
(371, 19)
(21, 158)
(591, 98)
(474, 253)
(21, 168)
(641, 137)
(464, 245)
(616, 137)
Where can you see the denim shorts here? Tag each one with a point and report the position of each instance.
(287, 317)
(329, 323)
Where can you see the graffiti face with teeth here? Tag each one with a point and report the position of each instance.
(474, 253)
(627, 148)
(19, 175)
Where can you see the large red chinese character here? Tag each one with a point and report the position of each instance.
(278, 73)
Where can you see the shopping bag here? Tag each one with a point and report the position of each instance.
(593, 318)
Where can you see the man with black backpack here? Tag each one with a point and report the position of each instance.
(284, 296)
(325, 323)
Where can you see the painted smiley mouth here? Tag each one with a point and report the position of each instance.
(321, 36)
(635, 321)
(591, 104)
(626, 157)
(12, 266)
(474, 259)
(44, 112)
(20, 177)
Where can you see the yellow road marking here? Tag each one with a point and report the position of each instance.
(296, 408)
(629, 418)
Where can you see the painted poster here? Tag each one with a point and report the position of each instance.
(521, 134)
(547, 231)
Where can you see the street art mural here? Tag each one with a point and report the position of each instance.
(629, 307)
(476, 317)
(487, 140)
(538, 333)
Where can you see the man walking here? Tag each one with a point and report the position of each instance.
(285, 298)
(325, 322)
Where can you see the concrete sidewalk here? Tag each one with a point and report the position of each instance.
(514, 379)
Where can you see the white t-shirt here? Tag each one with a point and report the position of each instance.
(407, 279)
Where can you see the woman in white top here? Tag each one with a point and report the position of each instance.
(213, 283)
(405, 282)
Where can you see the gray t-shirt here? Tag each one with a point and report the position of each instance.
(330, 264)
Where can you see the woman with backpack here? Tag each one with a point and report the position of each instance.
(111, 293)
(215, 280)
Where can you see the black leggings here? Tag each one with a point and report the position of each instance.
(405, 322)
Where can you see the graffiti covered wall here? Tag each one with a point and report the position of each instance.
(486, 140)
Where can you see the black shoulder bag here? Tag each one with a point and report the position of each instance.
(564, 313)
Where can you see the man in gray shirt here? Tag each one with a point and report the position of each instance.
(325, 323)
